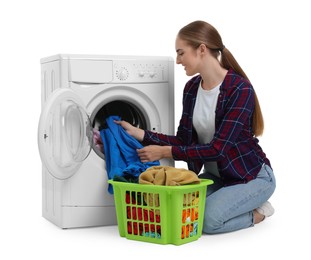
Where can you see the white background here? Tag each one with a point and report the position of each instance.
(271, 41)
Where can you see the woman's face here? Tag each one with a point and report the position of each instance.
(187, 57)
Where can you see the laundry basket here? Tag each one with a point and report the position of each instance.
(160, 214)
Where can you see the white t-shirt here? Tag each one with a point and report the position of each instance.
(204, 120)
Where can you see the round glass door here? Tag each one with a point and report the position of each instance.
(65, 134)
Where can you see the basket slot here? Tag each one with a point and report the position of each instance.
(151, 199)
(143, 214)
(190, 214)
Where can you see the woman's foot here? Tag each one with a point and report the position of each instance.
(265, 210)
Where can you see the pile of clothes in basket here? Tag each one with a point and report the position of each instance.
(123, 164)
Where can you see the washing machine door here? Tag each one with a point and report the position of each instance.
(65, 134)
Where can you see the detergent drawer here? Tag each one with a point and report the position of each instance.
(90, 71)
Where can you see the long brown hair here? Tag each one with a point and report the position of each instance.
(199, 32)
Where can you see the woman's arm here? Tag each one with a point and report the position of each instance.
(133, 131)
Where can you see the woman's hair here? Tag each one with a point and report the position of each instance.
(199, 32)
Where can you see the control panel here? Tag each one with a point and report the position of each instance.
(140, 71)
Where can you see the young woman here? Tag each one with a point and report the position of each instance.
(219, 124)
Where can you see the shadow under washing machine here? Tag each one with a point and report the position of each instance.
(77, 93)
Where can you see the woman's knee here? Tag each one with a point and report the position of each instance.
(211, 223)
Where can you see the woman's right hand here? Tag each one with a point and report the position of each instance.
(133, 131)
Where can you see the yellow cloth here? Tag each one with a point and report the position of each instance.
(168, 175)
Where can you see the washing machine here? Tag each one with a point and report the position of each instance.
(78, 92)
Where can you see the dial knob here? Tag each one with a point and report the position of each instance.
(122, 74)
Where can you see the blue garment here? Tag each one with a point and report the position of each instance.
(120, 152)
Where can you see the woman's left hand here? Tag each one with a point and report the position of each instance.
(152, 153)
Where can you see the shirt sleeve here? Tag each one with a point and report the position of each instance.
(160, 139)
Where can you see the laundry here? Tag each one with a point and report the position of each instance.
(144, 207)
(190, 217)
(120, 152)
(171, 176)
(168, 175)
(142, 221)
(97, 140)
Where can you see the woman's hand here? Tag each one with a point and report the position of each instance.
(152, 153)
(136, 132)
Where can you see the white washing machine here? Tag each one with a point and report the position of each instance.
(78, 93)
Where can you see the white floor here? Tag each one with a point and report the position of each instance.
(33, 237)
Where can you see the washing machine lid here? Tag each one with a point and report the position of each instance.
(65, 134)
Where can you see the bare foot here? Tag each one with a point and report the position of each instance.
(258, 217)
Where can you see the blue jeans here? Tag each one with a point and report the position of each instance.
(231, 208)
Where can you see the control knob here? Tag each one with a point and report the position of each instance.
(122, 74)
(141, 73)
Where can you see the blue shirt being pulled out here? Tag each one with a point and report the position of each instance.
(120, 152)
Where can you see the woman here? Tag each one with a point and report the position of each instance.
(220, 121)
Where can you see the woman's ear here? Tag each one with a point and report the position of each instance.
(202, 48)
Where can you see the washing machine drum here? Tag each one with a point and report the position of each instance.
(125, 110)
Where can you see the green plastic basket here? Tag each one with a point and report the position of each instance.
(160, 214)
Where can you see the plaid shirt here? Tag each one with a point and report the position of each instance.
(234, 147)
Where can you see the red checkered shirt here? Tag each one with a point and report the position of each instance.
(234, 146)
